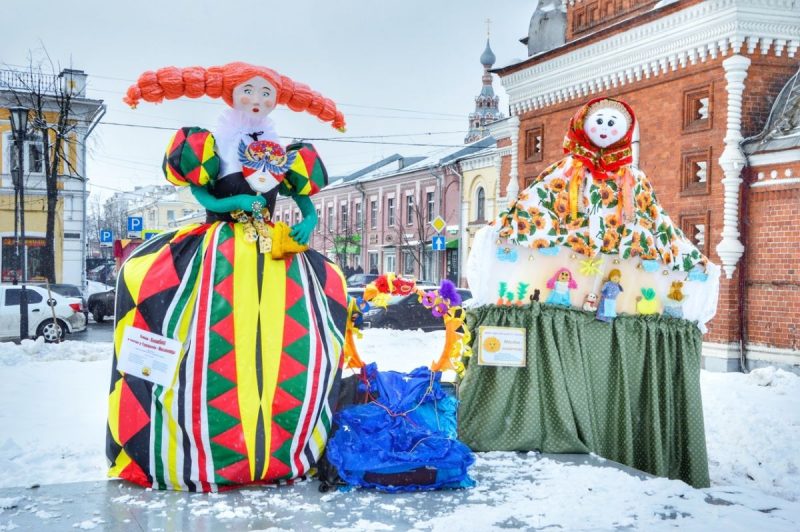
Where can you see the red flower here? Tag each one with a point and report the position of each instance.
(382, 284)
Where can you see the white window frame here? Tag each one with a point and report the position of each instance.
(9, 144)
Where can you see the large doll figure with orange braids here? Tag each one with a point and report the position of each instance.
(260, 317)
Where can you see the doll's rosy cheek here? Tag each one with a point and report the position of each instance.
(614, 132)
(244, 100)
(593, 130)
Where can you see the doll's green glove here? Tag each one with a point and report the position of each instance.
(301, 232)
(242, 202)
(250, 203)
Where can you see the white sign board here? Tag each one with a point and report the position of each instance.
(149, 356)
(501, 346)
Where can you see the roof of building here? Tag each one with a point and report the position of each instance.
(782, 130)
(487, 57)
(438, 157)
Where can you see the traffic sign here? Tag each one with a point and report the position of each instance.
(150, 233)
(437, 242)
(135, 225)
(438, 224)
(106, 237)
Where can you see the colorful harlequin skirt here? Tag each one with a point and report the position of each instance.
(251, 401)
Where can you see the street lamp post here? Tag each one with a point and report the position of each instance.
(19, 126)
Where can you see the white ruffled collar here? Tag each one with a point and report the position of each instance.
(233, 124)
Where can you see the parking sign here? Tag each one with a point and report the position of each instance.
(106, 237)
(135, 225)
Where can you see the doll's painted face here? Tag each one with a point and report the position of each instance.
(564, 277)
(605, 125)
(256, 96)
(614, 277)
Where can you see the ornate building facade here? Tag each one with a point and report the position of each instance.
(702, 76)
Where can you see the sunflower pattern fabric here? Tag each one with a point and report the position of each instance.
(262, 340)
(543, 216)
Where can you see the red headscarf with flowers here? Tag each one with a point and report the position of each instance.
(602, 162)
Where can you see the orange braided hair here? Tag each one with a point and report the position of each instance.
(219, 81)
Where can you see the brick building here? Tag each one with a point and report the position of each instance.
(379, 217)
(702, 76)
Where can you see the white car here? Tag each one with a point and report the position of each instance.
(68, 310)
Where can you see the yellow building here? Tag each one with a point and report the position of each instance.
(165, 207)
(70, 223)
(479, 193)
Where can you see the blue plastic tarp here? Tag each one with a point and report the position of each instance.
(405, 439)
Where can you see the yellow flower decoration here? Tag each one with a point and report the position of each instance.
(590, 266)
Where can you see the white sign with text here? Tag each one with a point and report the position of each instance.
(501, 346)
(149, 356)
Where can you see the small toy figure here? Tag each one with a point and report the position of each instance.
(607, 308)
(675, 298)
(560, 284)
(590, 302)
(646, 303)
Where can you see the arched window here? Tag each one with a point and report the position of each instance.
(480, 204)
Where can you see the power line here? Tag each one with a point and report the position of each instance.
(328, 139)
(338, 104)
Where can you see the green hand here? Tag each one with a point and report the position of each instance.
(301, 232)
(250, 203)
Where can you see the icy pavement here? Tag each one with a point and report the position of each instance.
(514, 491)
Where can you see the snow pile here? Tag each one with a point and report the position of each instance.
(53, 407)
(37, 350)
(753, 430)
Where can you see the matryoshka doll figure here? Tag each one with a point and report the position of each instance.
(593, 212)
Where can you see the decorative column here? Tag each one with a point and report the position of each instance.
(512, 190)
(730, 249)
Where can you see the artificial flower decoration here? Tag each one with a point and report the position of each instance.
(443, 302)
(590, 267)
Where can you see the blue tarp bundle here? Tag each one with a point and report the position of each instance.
(404, 440)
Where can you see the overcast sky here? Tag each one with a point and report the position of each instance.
(377, 59)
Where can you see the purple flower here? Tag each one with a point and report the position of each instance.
(429, 299)
(448, 292)
(439, 309)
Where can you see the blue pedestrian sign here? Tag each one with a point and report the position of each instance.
(135, 225)
(106, 237)
(437, 242)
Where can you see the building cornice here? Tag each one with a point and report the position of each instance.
(695, 34)
(484, 161)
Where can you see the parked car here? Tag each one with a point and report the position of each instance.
(68, 290)
(360, 279)
(69, 313)
(101, 305)
(406, 312)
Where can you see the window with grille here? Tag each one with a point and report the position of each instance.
(534, 144)
(696, 172)
(697, 109)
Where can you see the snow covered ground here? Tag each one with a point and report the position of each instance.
(53, 414)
